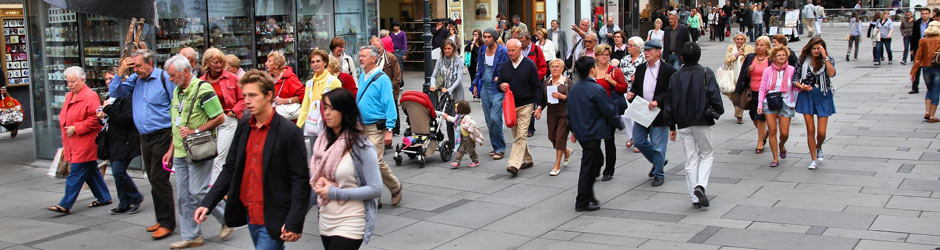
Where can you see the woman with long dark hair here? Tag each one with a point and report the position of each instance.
(345, 175)
(813, 77)
(474, 48)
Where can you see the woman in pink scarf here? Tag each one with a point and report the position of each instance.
(777, 79)
(344, 174)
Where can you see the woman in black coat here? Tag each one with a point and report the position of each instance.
(474, 48)
(123, 144)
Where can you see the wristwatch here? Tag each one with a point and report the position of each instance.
(196, 131)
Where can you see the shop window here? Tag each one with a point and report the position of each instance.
(314, 24)
(182, 24)
(101, 47)
(231, 29)
(274, 30)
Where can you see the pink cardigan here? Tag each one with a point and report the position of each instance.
(767, 83)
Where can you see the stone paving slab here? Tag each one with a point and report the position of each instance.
(800, 216)
(778, 240)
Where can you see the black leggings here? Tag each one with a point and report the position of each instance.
(339, 243)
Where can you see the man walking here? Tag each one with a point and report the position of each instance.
(192, 177)
(809, 18)
(651, 82)
(675, 36)
(533, 52)
(267, 189)
(379, 114)
(389, 65)
(151, 91)
(591, 117)
(486, 85)
(692, 110)
(916, 34)
(521, 77)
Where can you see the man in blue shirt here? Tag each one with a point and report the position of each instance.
(590, 116)
(377, 107)
(150, 88)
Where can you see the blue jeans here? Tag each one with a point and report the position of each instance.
(85, 172)
(192, 184)
(932, 80)
(126, 189)
(493, 113)
(757, 30)
(907, 48)
(652, 143)
(263, 240)
(883, 46)
(673, 59)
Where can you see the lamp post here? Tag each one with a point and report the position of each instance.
(427, 46)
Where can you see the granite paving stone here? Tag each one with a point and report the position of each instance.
(778, 240)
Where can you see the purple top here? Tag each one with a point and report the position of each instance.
(400, 40)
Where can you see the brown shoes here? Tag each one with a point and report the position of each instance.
(197, 242)
(153, 228)
(161, 233)
(527, 165)
(396, 197)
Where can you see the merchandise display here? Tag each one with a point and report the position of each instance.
(274, 33)
(101, 47)
(61, 45)
(177, 33)
(232, 35)
(313, 32)
(16, 59)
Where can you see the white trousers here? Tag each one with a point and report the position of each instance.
(224, 135)
(699, 156)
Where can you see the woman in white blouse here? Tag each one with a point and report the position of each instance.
(548, 47)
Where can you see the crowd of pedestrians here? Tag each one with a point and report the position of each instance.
(320, 142)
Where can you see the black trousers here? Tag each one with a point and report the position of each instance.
(610, 157)
(11, 127)
(916, 82)
(591, 162)
(152, 148)
(339, 243)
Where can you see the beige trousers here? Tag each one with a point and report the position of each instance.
(377, 137)
(520, 145)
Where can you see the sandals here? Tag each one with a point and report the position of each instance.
(758, 150)
(933, 120)
(58, 209)
(926, 116)
(636, 150)
(492, 153)
(630, 143)
(99, 204)
(454, 165)
(498, 156)
(473, 165)
(740, 121)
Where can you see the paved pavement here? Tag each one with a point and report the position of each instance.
(877, 189)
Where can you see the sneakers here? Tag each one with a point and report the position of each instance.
(700, 194)
(473, 165)
(812, 165)
(117, 210)
(225, 232)
(819, 154)
(197, 242)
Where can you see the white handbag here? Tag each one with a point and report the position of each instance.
(314, 122)
(290, 111)
(725, 79)
(10, 116)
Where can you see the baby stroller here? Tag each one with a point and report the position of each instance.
(425, 132)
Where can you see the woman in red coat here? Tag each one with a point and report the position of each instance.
(79, 122)
(349, 83)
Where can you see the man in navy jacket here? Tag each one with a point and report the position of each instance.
(590, 116)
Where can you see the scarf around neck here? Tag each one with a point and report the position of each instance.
(822, 80)
(325, 160)
(448, 71)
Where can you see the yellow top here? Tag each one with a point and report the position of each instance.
(314, 90)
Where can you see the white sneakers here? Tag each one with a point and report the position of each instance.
(819, 155)
(812, 165)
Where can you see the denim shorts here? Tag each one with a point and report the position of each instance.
(784, 112)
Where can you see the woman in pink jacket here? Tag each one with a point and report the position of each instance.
(777, 81)
(79, 122)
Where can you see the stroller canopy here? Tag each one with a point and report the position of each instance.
(420, 98)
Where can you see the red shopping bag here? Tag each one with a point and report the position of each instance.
(509, 109)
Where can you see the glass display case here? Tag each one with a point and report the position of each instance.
(274, 30)
(16, 60)
(102, 38)
(55, 46)
(355, 22)
(231, 29)
(314, 22)
(181, 24)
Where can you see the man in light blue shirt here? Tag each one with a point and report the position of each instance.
(378, 111)
(150, 88)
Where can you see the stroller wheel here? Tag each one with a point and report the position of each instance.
(397, 159)
(422, 160)
(446, 150)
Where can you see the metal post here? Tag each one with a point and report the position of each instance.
(427, 46)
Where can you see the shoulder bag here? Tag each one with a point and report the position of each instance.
(313, 124)
(199, 146)
(620, 101)
(774, 99)
(290, 111)
(935, 61)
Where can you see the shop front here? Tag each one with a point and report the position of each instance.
(59, 38)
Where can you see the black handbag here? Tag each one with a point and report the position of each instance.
(101, 140)
(709, 111)
(774, 99)
(620, 101)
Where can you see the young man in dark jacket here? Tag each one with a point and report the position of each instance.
(591, 118)
(918, 33)
(694, 104)
(267, 189)
(651, 82)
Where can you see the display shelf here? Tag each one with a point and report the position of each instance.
(177, 33)
(233, 35)
(314, 32)
(16, 60)
(102, 38)
(274, 33)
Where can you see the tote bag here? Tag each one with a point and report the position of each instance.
(725, 79)
(509, 109)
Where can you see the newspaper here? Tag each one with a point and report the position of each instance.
(548, 91)
(640, 112)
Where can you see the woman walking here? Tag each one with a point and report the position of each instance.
(448, 74)
(557, 118)
(123, 145)
(611, 79)
(752, 72)
(547, 46)
(875, 36)
(80, 125)
(812, 76)
(885, 30)
(695, 24)
(628, 65)
(474, 49)
(311, 116)
(735, 55)
(715, 32)
(926, 47)
(345, 175)
(855, 33)
(777, 101)
(657, 33)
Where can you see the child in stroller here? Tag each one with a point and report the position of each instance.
(425, 132)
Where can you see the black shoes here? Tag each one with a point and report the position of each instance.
(588, 208)
(846, 58)
(658, 182)
(607, 177)
(700, 194)
(529, 134)
(117, 210)
(913, 92)
(134, 208)
(653, 168)
(696, 205)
